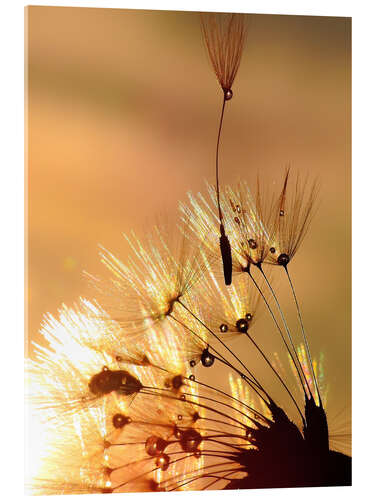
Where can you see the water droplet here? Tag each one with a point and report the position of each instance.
(237, 220)
(283, 259)
(155, 445)
(250, 437)
(228, 94)
(118, 359)
(192, 377)
(120, 420)
(183, 397)
(207, 358)
(282, 213)
(192, 363)
(162, 462)
(238, 209)
(249, 316)
(177, 433)
(272, 250)
(190, 441)
(107, 381)
(105, 368)
(155, 486)
(198, 454)
(223, 328)
(242, 325)
(177, 382)
(179, 417)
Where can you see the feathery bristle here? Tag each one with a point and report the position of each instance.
(224, 36)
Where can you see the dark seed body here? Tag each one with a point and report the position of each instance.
(226, 255)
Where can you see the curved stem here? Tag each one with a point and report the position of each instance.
(226, 347)
(286, 327)
(228, 396)
(275, 372)
(218, 355)
(217, 160)
(304, 334)
(278, 327)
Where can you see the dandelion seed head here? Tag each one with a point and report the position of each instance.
(119, 384)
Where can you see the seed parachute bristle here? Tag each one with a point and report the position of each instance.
(224, 36)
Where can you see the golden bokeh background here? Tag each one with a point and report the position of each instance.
(122, 116)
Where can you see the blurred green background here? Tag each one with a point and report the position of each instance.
(122, 116)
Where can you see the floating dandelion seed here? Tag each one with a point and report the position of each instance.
(122, 386)
(224, 36)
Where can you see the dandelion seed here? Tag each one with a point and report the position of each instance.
(144, 291)
(224, 36)
(294, 210)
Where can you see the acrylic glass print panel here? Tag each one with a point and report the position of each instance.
(205, 344)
